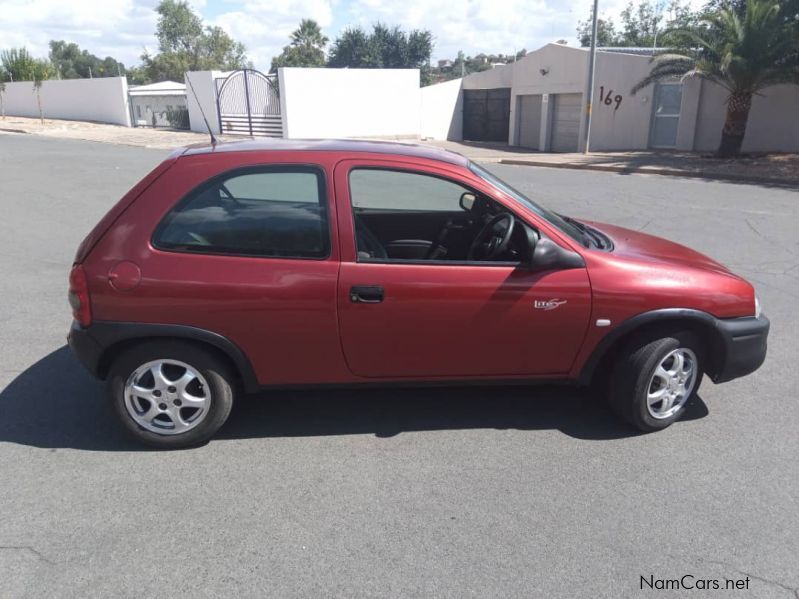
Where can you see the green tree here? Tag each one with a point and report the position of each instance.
(420, 47)
(179, 28)
(19, 64)
(385, 47)
(70, 62)
(216, 47)
(640, 24)
(743, 53)
(307, 48)
(2, 97)
(138, 75)
(186, 44)
(643, 24)
(351, 49)
(789, 9)
(606, 34)
(309, 34)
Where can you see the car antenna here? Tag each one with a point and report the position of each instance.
(202, 112)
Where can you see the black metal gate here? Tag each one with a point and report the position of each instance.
(486, 114)
(248, 103)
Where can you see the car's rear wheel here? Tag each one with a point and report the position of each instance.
(654, 379)
(170, 394)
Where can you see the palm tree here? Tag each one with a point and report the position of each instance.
(309, 35)
(742, 51)
(307, 48)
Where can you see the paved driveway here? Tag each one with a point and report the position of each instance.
(431, 493)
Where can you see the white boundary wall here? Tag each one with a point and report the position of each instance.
(328, 103)
(205, 88)
(104, 100)
(442, 111)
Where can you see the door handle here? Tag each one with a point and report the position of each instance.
(366, 294)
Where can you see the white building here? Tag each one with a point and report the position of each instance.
(538, 103)
(161, 104)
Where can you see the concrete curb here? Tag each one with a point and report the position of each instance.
(653, 170)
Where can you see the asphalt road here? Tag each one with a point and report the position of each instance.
(507, 492)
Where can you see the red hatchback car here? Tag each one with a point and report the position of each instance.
(241, 266)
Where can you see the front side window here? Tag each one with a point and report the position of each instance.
(551, 217)
(268, 211)
(402, 216)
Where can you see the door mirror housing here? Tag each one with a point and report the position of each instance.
(545, 254)
(467, 200)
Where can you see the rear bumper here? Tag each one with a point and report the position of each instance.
(84, 346)
(743, 347)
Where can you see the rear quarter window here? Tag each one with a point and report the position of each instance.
(263, 211)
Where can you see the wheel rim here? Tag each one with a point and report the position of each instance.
(672, 383)
(167, 397)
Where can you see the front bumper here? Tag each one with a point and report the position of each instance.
(85, 348)
(742, 347)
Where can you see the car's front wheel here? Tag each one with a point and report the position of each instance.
(170, 394)
(654, 379)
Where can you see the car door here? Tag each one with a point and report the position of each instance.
(438, 318)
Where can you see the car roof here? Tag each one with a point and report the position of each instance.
(345, 146)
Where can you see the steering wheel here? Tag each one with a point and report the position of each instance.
(493, 239)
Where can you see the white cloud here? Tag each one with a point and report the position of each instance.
(119, 28)
(491, 26)
(122, 28)
(264, 26)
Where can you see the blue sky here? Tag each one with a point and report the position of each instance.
(123, 28)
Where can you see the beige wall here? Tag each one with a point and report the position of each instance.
(557, 69)
(553, 69)
(490, 79)
(625, 127)
(530, 109)
(773, 121)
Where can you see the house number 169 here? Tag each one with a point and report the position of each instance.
(609, 98)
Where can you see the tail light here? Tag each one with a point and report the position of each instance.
(79, 296)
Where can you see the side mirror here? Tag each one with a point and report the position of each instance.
(545, 254)
(467, 200)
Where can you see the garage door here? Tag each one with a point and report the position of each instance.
(486, 114)
(566, 111)
(530, 121)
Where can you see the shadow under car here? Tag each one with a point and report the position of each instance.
(55, 403)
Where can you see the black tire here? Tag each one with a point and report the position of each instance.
(216, 373)
(634, 369)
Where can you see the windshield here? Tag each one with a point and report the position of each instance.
(554, 219)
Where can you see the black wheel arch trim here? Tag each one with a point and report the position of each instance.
(107, 334)
(738, 344)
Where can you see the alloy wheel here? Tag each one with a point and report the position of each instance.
(167, 397)
(672, 383)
